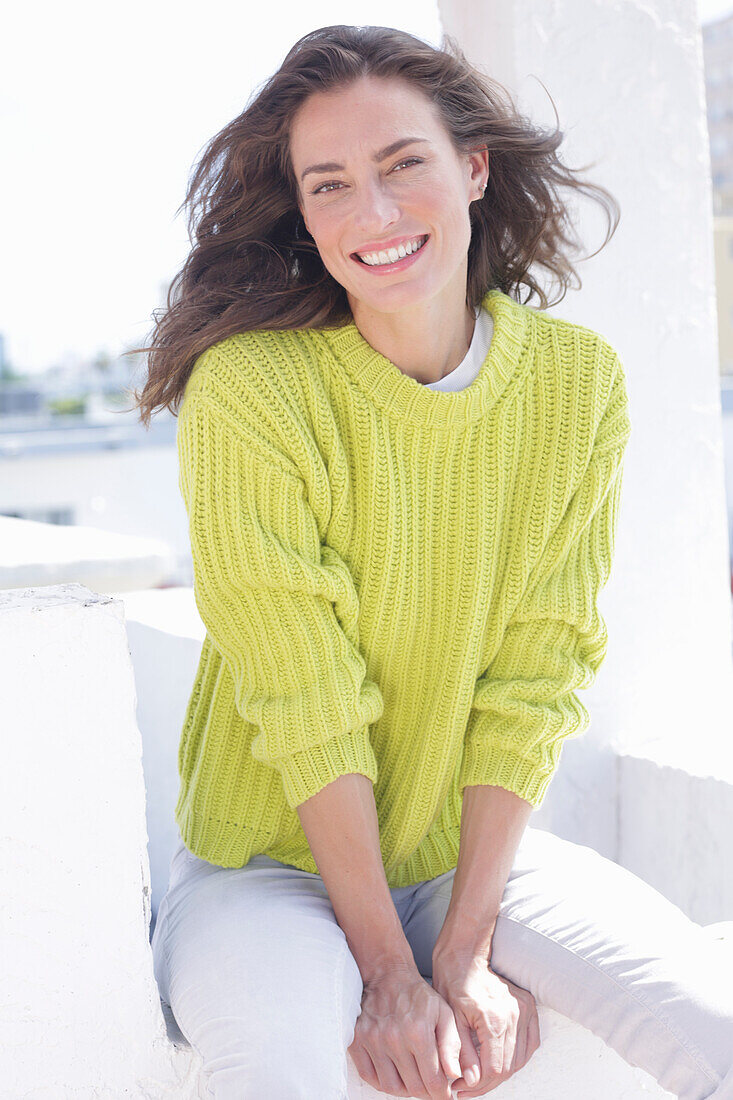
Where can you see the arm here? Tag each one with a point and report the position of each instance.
(492, 823)
(492, 1015)
(342, 828)
(280, 607)
(525, 704)
(405, 1037)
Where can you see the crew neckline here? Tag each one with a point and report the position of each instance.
(402, 396)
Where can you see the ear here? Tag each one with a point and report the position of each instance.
(479, 168)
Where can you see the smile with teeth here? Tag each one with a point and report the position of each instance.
(392, 255)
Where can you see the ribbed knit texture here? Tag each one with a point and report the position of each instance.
(394, 580)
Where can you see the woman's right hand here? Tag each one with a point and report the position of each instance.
(406, 1042)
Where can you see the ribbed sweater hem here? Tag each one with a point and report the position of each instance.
(225, 847)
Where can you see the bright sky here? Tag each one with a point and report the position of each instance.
(103, 112)
(713, 9)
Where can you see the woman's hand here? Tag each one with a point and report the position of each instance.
(405, 1040)
(502, 1015)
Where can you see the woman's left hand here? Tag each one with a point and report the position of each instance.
(502, 1015)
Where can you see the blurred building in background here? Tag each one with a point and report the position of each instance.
(717, 42)
(717, 39)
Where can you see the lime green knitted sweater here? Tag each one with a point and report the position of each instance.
(394, 580)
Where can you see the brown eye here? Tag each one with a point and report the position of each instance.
(321, 186)
(334, 183)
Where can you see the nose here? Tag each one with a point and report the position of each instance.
(376, 209)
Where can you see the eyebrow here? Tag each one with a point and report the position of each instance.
(332, 166)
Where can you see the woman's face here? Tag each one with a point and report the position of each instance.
(363, 197)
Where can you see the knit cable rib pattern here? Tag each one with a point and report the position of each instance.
(395, 581)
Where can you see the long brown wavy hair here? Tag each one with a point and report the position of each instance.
(253, 264)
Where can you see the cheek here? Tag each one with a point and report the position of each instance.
(324, 229)
(326, 232)
(443, 205)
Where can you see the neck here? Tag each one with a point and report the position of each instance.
(426, 341)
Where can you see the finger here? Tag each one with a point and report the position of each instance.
(429, 1079)
(490, 1076)
(510, 1042)
(450, 1042)
(470, 1059)
(388, 1076)
(415, 1082)
(492, 1051)
(364, 1066)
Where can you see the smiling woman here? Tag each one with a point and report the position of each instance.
(399, 580)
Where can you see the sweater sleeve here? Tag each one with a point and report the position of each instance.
(279, 606)
(524, 704)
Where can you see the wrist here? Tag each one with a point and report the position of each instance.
(380, 945)
(462, 944)
(381, 966)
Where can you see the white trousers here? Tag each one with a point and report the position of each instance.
(261, 981)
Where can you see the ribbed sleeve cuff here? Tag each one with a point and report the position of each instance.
(499, 767)
(306, 772)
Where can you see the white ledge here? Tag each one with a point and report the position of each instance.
(33, 554)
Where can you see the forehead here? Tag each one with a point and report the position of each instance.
(365, 115)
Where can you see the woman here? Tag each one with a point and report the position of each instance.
(402, 487)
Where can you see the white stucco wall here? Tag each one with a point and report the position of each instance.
(165, 634)
(674, 832)
(727, 396)
(34, 553)
(80, 1008)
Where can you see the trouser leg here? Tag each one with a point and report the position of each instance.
(260, 979)
(596, 943)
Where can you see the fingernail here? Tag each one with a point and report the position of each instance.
(471, 1076)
